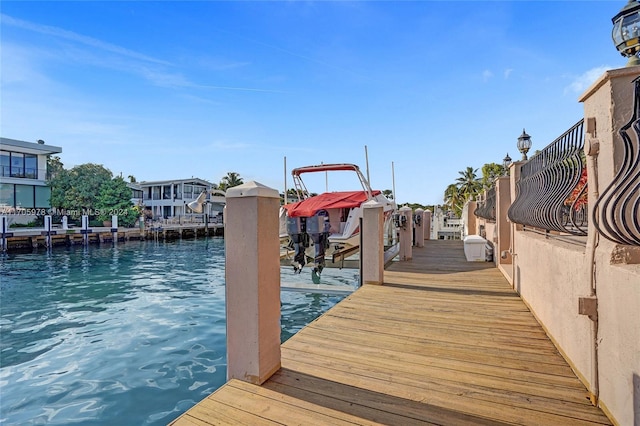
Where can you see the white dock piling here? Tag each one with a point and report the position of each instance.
(252, 282)
(372, 250)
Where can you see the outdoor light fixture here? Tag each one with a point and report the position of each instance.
(626, 32)
(524, 143)
(506, 162)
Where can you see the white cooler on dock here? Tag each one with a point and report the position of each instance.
(475, 248)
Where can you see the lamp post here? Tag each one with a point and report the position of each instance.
(524, 143)
(626, 32)
(506, 162)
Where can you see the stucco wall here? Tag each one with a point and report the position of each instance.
(550, 276)
(608, 104)
(618, 289)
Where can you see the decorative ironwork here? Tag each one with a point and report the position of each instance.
(551, 193)
(487, 206)
(616, 214)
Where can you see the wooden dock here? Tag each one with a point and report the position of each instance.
(443, 341)
(34, 238)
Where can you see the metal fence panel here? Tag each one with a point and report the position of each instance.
(552, 189)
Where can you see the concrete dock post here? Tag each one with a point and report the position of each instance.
(405, 233)
(427, 224)
(252, 282)
(65, 223)
(372, 250)
(114, 228)
(4, 229)
(502, 253)
(84, 229)
(47, 230)
(418, 223)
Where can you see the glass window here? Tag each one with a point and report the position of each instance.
(6, 195)
(5, 164)
(188, 191)
(31, 166)
(43, 197)
(17, 164)
(24, 196)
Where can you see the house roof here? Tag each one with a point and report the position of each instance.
(28, 147)
(195, 181)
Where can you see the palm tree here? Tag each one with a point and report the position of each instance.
(230, 180)
(468, 183)
(453, 199)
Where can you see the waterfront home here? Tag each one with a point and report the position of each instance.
(170, 198)
(23, 172)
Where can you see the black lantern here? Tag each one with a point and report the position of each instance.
(506, 162)
(524, 143)
(626, 32)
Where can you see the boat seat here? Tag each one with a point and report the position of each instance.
(350, 227)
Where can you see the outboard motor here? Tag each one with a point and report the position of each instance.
(318, 230)
(296, 229)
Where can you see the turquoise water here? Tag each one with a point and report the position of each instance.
(129, 335)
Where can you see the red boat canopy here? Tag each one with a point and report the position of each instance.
(328, 200)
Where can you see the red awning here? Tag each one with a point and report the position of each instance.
(328, 200)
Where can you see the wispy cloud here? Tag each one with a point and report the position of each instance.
(507, 73)
(154, 70)
(486, 75)
(176, 80)
(78, 38)
(583, 81)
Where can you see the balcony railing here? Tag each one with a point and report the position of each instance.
(19, 172)
(616, 213)
(487, 206)
(552, 189)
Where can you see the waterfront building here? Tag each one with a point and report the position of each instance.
(170, 198)
(445, 226)
(23, 174)
(136, 193)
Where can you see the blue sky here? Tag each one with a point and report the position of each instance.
(170, 89)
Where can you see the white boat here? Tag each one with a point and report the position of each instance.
(327, 226)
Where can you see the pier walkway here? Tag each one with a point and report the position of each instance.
(443, 341)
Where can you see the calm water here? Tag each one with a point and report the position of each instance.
(133, 334)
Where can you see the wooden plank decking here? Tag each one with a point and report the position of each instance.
(443, 341)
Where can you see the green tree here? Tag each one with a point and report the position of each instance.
(388, 193)
(54, 167)
(115, 198)
(490, 172)
(230, 180)
(454, 199)
(292, 195)
(468, 183)
(77, 189)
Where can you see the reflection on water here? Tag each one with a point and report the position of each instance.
(132, 334)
